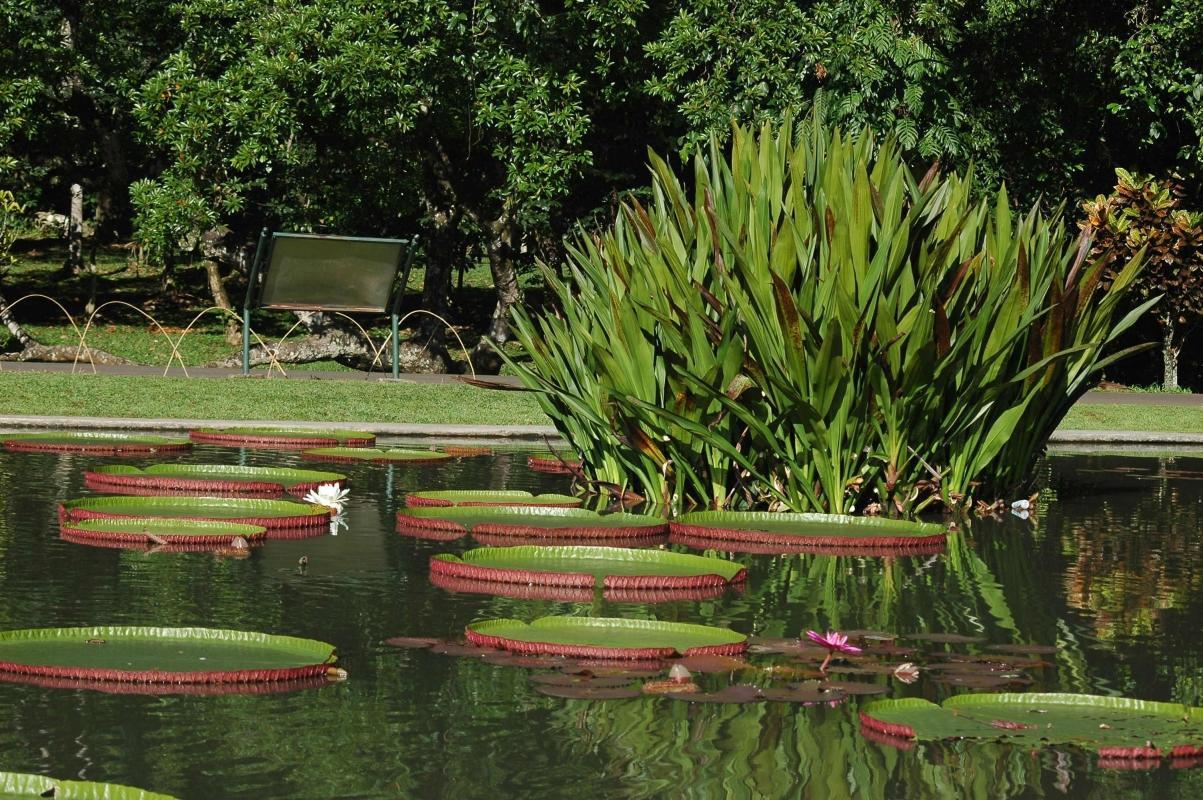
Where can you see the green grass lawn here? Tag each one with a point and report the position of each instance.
(263, 398)
(380, 401)
(1157, 419)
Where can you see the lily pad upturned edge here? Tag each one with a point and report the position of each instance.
(493, 633)
(474, 565)
(908, 719)
(281, 438)
(100, 444)
(275, 515)
(444, 498)
(522, 521)
(374, 455)
(323, 654)
(208, 479)
(151, 530)
(861, 532)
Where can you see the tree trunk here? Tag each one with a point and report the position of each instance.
(505, 281)
(221, 299)
(1169, 355)
(32, 350)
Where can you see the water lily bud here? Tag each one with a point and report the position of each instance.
(679, 673)
(1021, 505)
(906, 672)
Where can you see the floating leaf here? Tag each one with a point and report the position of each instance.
(208, 479)
(489, 497)
(605, 637)
(100, 444)
(161, 655)
(1116, 726)
(792, 530)
(374, 455)
(281, 438)
(551, 523)
(614, 568)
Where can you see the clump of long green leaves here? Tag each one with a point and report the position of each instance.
(812, 327)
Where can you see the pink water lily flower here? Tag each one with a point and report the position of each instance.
(834, 642)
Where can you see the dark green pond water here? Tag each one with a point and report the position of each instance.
(1110, 569)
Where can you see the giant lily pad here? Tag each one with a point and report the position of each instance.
(271, 514)
(528, 521)
(348, 455)
(207, 479)
(489, 497)
(281, 438)
(16, 785)
(175, 534)
(585, 566)
(1117, 727)
(810, 530)
(554, 465)
(101, 444)
(161, 655)
(605, 637)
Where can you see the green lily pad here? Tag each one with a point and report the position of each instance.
(528, 521)
(161, 655)
(489, 497)
(162, 532)
(605, 637)
(106, 444)
(1115, 726)
(286, 438)
(614, 567)
(374, 455)
(19, 785)
(817, 530)
(207, 479)
(271, 514)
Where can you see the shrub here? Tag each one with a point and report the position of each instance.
(811, 327)
(1146, 214)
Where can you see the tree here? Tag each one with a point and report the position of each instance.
(1159, 72)
(1145, 214)
(474, 118)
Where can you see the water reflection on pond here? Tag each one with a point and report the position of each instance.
(1110, 569)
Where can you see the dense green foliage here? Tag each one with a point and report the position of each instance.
(813, 327)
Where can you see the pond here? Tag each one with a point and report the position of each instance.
(1109, 569)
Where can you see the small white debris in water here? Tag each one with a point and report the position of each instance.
(1021, 505)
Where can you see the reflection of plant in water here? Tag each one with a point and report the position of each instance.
(1132, 556)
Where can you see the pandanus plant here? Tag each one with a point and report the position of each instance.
(808, 325)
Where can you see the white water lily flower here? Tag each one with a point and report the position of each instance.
(328, 495)
(906, 672)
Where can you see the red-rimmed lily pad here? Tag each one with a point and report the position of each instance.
(1117, 727)
(374, 455)
(605, 637)
(489, 497)
(123, 654)
(529, 521)
(275, 515)
(792, 530)
(613, 568)
(16, 784)
(509, 540)
(281, 438)
(554, 465)
(208, 479)
(188, 534)
(100, 444)
(767, 549)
